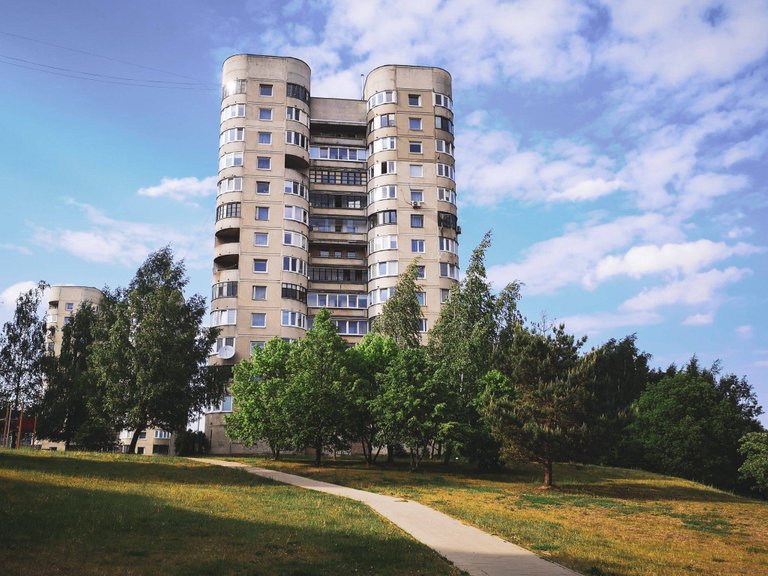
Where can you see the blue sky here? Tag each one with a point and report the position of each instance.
(617, 150)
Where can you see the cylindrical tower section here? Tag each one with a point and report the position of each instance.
(261, 248)
(411, 185)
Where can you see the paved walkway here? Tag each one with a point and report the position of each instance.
(471, 549)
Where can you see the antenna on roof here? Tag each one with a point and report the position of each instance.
(362, 86)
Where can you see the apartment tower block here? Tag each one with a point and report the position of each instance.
(322, 202)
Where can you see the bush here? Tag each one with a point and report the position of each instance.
(191, 443)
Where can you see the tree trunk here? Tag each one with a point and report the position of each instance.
(7, 424)
(134, 440)
(318, 454)
(21, 419)
(390, 454)
(378, 451)
(547, 474)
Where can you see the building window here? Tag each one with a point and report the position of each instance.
(297, 188)
(443, 100)
(221, 342)
(259, 265)
(294, 292)
(349, 177)
(422, 298)
(417, 246)
(347, 201)
(295, 239)
(446, 170)
(388, 242)
(259, 293)
(262, 213)
(230, 185)
(259, 320)
(351, 327)
(335, 300)
(162, 435)
(381, 121)
(261, 239)
(297, 91)
(297, 139)
(417, 221)
(382, 218)
(294, 319)
(257, 344)
(445, 293)
(416, 171)
(421, 272)
(233, 111)
(444, 146)
(386, 143)
(232, 135)
(230, 160)
(417, 195)
(449, 270)
(448, 245)
(264, 163)
(224, 290)
(338, 275)
(414, 100)
(67, 320)
(387, 167)
(380, 295)
(446, 195)
(385, 97)
(414, 123)
(338, 153)
(382, 193)
(295, 213)
(296, 265)
(422, 324)
(233, 87)
(228, 210)
(262, 187)
(414, 147)
(338, 225)
(265, 89)
(223, 317)
(295, 114)
(69, 306)
(381, 269)
(447, 220)
(443, 123)
(265, 137)
(265, 113)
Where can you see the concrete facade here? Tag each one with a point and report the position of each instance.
(323, 202)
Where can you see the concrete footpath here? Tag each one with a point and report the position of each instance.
(469, 548)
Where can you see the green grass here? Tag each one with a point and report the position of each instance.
(84, 514)
(599, 521)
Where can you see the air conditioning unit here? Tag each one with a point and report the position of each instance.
(458, 229)
(416, 204)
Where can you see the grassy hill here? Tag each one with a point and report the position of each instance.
(89, 514)
(600, 521)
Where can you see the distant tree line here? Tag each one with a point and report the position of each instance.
(135, 361)
(493, 388)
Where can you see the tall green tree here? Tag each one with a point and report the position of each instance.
(259, 390)
(318, 376)
(71, 407)
(369, 360)
(22, 357)
(754, 449)
(619, 373)
(150, 351)
(689, 424)
(410, 407)
(543, 419)
(464, 345)
(401, 315)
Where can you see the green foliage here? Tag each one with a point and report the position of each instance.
(260, 391)
(465, 343)
(401, 315)
(543, 419)
(618, 374)
(150, 351)
(189, 443)
(411, 405)
(689, 424)
(317, 383)
(368, 361)
(71, 407)
(754, 448)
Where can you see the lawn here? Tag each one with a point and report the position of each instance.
(600, 521)
(83, 514)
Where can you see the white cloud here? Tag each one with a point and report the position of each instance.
(700, 319)
(122, 242)
(751, 149)
(181, 189)
(762, 363)
(679, 258)
(9, 296)
(592, 324)
(696, 289)
(571, 258)
(679, 41)
(16, 248)
(745, 331)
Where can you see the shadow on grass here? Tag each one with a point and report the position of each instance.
(134, 468)
(261, 529)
